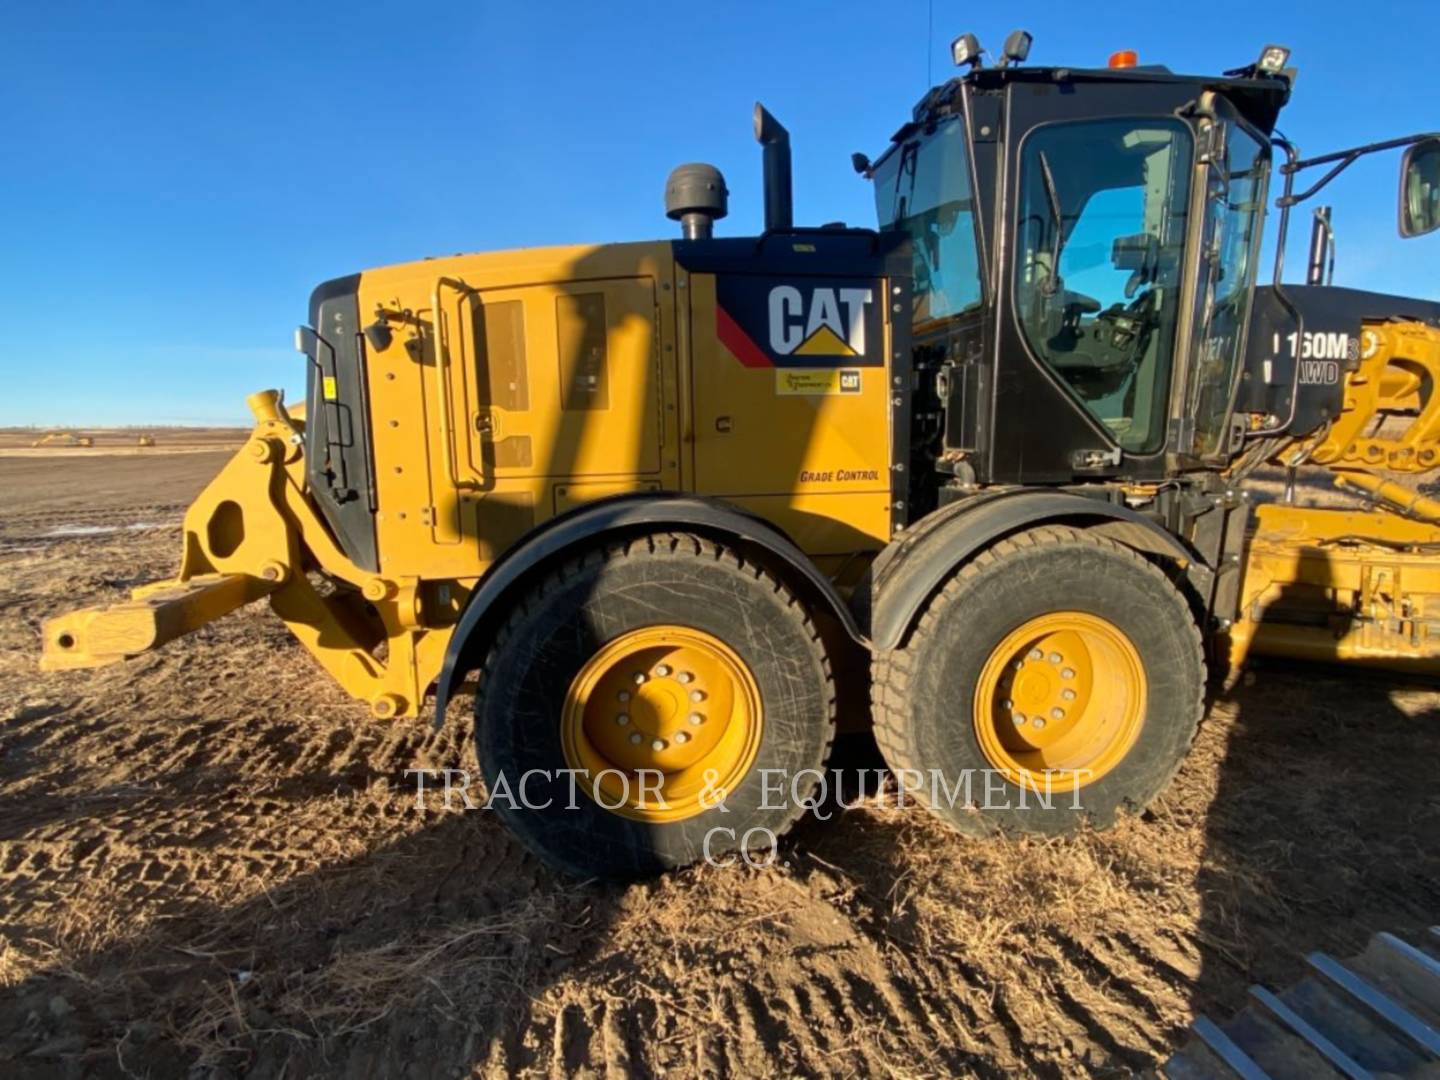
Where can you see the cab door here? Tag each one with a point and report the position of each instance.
(1094, 290)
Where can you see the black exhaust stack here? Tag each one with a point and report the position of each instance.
(771, 134)
(1322, 249)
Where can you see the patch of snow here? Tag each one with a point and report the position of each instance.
(98, 530)
(80, 530)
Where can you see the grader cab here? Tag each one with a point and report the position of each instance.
(666, 504)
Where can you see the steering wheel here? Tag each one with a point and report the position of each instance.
(1109, 347)
(1062, 313)
(1079, 304)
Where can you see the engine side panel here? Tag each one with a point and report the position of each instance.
(504, 389)
(798, 383)
(791, 407)
(1326, 341)
(556, 385)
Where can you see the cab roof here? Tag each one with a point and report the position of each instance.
(1257, 96)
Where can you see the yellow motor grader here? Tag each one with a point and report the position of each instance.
(62, 438)
(669, 506)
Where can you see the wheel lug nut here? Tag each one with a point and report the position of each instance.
(1067, 673)
(622, 719)
(1057, 714)
(661, 670)
(696, 719)
(684, 677)
(1055, 658)
(697, 695)
(682, 736)
(1068, 694)
(637, 738)
(624, 695)
(1019, 719)
(1007, 704)
(1039, 722)
(639, 677)
(658, 744)
(1036, 654)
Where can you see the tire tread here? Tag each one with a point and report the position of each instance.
(688, 545)
(893, 670)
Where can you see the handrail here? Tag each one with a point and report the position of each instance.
(442, 378)
(1292, 156)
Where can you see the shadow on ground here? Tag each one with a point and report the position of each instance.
(1325, 825)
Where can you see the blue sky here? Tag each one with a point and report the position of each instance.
(179, 176)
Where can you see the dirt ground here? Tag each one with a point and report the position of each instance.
(212, 863)
(113, 441)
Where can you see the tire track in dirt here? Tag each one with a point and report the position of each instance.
(1092, 1012)
(1152, 977)
(873, 1005)
(1128, 988)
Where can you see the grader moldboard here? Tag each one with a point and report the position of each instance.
(667, 500)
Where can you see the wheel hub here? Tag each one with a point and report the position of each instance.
(1060, 701)
(668, 704)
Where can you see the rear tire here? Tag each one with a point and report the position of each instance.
(1055, 649)
(558, 692)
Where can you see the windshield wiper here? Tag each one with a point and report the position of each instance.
(909, 162)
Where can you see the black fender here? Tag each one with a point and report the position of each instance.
(912, 569)
(622, 515)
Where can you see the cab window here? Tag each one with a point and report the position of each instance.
(1100, 245)
(923, 188)
(1234, 216)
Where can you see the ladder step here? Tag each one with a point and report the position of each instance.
(1297, 1024)
(1424, 961)
(1278, 1051)
(1195, 1061)
(1377, 1014)
(1430, 942)
(1222, 1047)
(1391, 967)
(1361, 1035)
(1400, 1019)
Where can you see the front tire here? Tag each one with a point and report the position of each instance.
(1056, 678)
(636, 683)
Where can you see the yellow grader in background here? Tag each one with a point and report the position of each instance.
(63, 438)
(669, 503)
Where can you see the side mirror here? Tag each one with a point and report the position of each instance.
(1420, 188)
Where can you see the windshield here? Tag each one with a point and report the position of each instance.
(923, 188)
(1235, 199)
(1100, 249)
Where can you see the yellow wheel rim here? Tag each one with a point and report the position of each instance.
(660, 722)
(1060, 701)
